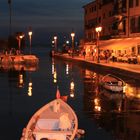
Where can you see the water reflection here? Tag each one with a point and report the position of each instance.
(30, 84)
(18, 67)
(17, 77)
(72, 88)
(54, 71)
(117, 113)
(67, 69)
(68, 72)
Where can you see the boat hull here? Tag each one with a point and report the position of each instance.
(113, 88)
(112, 83)
(56, 120)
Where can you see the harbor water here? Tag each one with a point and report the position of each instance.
(103, 115)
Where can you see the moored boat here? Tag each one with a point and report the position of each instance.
(54, 121)
(112, 83)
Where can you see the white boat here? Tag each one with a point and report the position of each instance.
(54, 121)
(112, 83)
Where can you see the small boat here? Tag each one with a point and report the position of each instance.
(112, 83)
(54, 121)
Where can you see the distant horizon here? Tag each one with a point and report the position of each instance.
(46, 18)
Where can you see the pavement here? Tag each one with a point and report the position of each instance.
(135, 68)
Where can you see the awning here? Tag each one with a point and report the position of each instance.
(119, 44)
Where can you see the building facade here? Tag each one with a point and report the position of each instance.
(119, 19)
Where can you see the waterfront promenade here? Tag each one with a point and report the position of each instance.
(126, 69)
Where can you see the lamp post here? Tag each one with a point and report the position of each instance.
(98, 30)
(72, 37)
(10, 11)
(30, 39)
(55, 42)
(19, 38)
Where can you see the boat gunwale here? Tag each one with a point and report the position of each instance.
(35, 117)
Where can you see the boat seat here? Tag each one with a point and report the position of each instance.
(49, 124)
(51, 135)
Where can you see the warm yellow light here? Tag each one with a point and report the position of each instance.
(72, 95)
(30, 89)
(55, 37)
(20, 80)
(98, 29)
(72, 85)
(67, 42)
(21, 36)
(30, 33)
(72, 34)
(55, 77)
(97, 106)
(67, 69)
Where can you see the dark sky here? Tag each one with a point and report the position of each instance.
(46, 17)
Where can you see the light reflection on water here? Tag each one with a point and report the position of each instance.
(118, 113)
(102, 114)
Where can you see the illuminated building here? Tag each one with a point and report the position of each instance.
(120, 22)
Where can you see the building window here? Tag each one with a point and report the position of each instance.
(95, 8)
(132, 25)
(133, 50)
(100, 5)
(104, 16)
(130, 3)
(110, 14)
(137, 2)
(139, 24)
(138, 49)
(85, 11)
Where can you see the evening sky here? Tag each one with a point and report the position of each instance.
(46, 17)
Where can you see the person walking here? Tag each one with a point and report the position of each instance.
(84, 54)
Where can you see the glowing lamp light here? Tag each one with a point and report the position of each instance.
(21, 36)
(72, 95)
(30, 33)
(67, 42)
(55, 37)
(72, 34)
(98, 29)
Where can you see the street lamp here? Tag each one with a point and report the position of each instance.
(19, 38)
(98, 30)
(55, 42)
(30, 39)
(72, 36)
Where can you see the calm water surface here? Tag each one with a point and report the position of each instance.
(101, 114)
